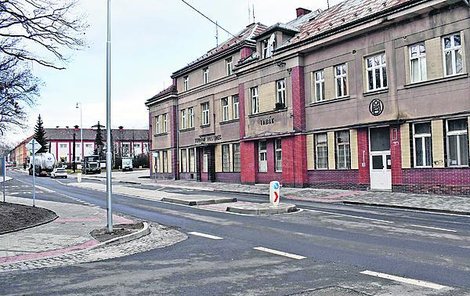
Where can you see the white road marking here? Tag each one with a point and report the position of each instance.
(280, 253)
(352, 216)
(205, 235)
(433, 228)
(44, 189)
(404, 280)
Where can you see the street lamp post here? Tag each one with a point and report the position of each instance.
(108, 119)
(81, 129)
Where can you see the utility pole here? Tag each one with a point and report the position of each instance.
(108, 120)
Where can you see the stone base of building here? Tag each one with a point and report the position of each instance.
(433, 189)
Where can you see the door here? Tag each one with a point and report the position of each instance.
(380, 159)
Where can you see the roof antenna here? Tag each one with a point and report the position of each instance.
(249, 13)
(254, 19)
(328, 3)
(216, 35)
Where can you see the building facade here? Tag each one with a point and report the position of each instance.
(365, 95)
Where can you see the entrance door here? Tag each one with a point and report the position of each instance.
(210, 152)
(380, 160)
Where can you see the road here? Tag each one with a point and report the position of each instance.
(322, 250)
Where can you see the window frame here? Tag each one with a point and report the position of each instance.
(254, 95)
(205, 120)
(344, 158)
(343, 79)
(235, 107)
(317, 146)
(420, 58)
(382, 68)
(205, 75)
(459, 134)
(319, 81)
(453, 49)
(226, 165)
(225, 110)
(190, 117)
(165, 161)
(186, 83)
(423, 137)
(158, 125)
(281, 91)
(236, 157)
(165, 123)
(183, 119)
(263, 152)
(184, 160)
(229, 66)
(278, 155)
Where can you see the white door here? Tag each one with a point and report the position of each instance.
(380, 160)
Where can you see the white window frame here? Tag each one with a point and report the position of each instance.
(372, 68)
(262, 157)
(190, 117)
(281, 91)
(343, 160)
(264, 48)
(254, 100)
(341, 80)
(165, 161)
(226, 165)
(158, 125)
(423, 137)
(183, 119)
(459, 134)
(192, 160)
(185, 83)
(321, 145)
(236, 159)
(224, 106)
(417, 53)
(156, 165)
(235, 110)
(278, 155)
(229, 65)
(205, 75)
(205, 107)
(184, 160)
(452, 50)
(165, 123)
(319, 85)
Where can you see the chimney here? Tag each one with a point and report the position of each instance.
(302, 11)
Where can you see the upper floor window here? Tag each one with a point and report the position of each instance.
(205, 113)
(262, 157)
(281, 93)
(268, 46)
(190, 117)
(422, 144)
(341, 80)
(235, 107)
(343, 153)
(183, 119)
(457, 142)
(205, 74)
(165, 123)
(418, 62)
(453, 60)
(158, 128)
(228, 66)
(185, 83)
(224, 104)
(319, 79)
(321, 151)
(264, 48)
(254, 100)
(376, 72)
(278, 155)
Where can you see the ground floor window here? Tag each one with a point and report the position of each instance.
(226, 158)
(236, 157)
(192, 160)
(278, 155)
(422, 144)
(165, 161)
(321, 151)
(457, 142)
(262, 157)
(343, 153)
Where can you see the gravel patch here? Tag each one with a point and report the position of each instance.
(14, 217)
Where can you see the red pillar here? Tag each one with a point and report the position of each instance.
(248, 162)
(363, 157)
(298, 98)
(395, 154)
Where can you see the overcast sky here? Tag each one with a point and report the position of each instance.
(150, 40)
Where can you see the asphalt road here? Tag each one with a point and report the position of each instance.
(325, 249)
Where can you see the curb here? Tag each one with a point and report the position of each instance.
(198, 203)
(263, 211)
(405, 207)
(33, 225)
(126, 238)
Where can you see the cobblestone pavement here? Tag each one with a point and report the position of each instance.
(159, 237)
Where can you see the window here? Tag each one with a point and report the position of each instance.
(453, 61)
(341, 80)
(205, 74)
(156, 164)
(184, 161)
(183, 119)
(422, 144)
(262, 157)
(185, 83)
(376, 72)
(281, 93)
(158, 129)
(63, 145)
(235, 107)
(165, 162)
(190, 117)
(418, 62)
(268, 46)
(254, 100)
(225, 158)
(228, 66)
(343, 154)
(278, 155)
(321, 149)
(224, 103)
(236, 157)
(165, 121)
(319, 78)
(205, 113)
(457, 142)
(192, 160)
(137, 149)
(264, 49)
(145, 148)
(126, 147)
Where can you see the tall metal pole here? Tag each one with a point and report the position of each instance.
(108, 119)
(34, 174)
(4, 171)
(81, 131)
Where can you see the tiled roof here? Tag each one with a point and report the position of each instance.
(90, 134)
(164, 93)
(342, 14)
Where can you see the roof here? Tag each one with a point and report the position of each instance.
(245, 35)
(169, 91)
(345, 13)
(90, 134)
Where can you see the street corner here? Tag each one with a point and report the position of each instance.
(121, 233)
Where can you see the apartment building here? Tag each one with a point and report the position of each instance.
(365, 95)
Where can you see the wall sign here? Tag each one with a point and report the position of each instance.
(207, 139)
(376, 107)
(266, 121)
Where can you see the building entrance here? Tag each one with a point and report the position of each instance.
(380, 159)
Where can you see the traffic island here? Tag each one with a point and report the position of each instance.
(262, 209)
(121, 233)
(198, 200)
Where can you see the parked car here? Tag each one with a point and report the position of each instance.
(59, 173)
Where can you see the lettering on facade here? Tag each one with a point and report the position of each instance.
(376, 107)
(207, 139)
(266, 121)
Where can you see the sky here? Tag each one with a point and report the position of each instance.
(150, 40)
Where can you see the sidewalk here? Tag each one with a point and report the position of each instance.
(426, 202)
(69, 233)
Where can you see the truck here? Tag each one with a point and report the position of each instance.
(44, 164)
(126, 164)
(91, 165)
